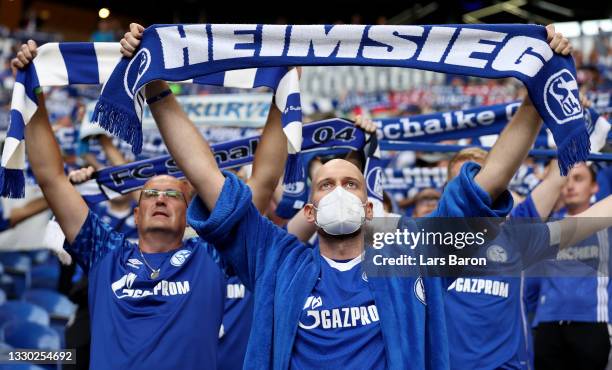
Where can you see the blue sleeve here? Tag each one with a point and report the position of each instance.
(246, 240)
(94, 241)
(525, 209)
(463, 197)
(533, 242)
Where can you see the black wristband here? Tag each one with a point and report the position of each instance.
(159, 96)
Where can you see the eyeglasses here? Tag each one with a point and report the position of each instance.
(154, 193)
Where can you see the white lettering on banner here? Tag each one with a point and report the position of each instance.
(475, 48)
(343, 38)
(407, 128)
(480, 286)
(227, 49)
(236, 110)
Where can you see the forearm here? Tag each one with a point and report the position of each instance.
(545, 195)
(44, 155)
(510, 150)
(269, 161)
(30, 209)
(112, 153)
(577, 228)
(46, 163)
(186, 145)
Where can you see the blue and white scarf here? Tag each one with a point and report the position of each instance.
(321, 137)
(476, 123)
(61, 64)
(185, 52)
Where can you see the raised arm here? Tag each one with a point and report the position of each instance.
(269, 161)
(46, 162)
(547, 192)
(33, 207)
(183, 140)
(518, 136)
(579, 227)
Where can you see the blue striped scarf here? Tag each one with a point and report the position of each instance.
(62, 64)
(184, 52)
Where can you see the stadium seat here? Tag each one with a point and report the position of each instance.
(23, 311)
(7, 284)
(57, 305)
(21, 367)
(45, 276)
(2, 297)
(17, 265)
(40, 256)
(23, 334)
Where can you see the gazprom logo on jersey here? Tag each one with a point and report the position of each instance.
(125, 288)
(561, 97)
(137, 67)
(179, 257)
(345, 317)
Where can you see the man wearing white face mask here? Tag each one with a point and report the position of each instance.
(313, 308)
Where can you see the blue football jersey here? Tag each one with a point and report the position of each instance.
(119, 221)
(485, 315)
(577, 284)
(139, 322)
(339, 325)
(236, 327)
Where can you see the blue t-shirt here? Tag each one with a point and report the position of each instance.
(339, 325)
(141, 323)
(485, 315)
(577, 284)
(237, 318)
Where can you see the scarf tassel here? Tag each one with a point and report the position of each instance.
(120, 123)
(572, 150)
(13, 183)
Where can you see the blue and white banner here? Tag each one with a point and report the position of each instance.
(184, 52)
(226, 110)
(319, 137)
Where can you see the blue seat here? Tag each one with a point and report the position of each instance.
(23, 311)
(2, 297)
(56, 304)
(21, 367)
(18, 266)
(24, 334)
(39, 256)
(16, 262)
(7, 284)
(45, 276)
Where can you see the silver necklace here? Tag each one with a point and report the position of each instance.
(154, 272)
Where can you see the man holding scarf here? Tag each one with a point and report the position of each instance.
(158, 303)
(312, 306)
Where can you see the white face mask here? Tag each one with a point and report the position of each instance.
(340, 212)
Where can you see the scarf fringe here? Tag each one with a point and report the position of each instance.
(12, 182)
(572, 150)
(294, 169)
(119, 122)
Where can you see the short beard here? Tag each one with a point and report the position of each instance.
(342, 237)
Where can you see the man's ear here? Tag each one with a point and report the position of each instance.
(310, 212)
(136, 209)
(369, 210)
